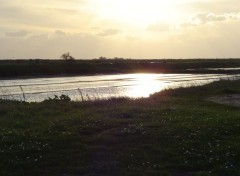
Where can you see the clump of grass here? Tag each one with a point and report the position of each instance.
(61, 98)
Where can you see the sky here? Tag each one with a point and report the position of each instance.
(141, 29)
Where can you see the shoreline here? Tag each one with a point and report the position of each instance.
(26, 69)
(227, 72)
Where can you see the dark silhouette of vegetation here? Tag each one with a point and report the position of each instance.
(67, 56)
(61, 98)
(38, 67)
(102, 58)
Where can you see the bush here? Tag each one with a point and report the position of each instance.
(61, 98)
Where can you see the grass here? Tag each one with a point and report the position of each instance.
(173, 133)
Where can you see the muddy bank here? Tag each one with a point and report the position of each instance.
(230, 100)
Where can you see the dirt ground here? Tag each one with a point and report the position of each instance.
(230, 100)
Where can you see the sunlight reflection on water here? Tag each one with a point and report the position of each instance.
(101, 86)
(146, 84)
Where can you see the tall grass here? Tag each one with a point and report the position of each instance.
(24, 97)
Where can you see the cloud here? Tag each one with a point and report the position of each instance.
(159, 27)
(21, 33)
(109, 32)
(214, 41)
(204, 18)
(64, 11)
(60, 32)
(37, 15)
(214, 6)
(204, 41)
(209, 18)
(81, 45)
(55, 26)
(43, 36)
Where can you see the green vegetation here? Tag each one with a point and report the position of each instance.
(33, 68)
(175, 133)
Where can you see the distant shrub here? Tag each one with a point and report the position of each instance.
(102, 58)
(61, 98)
(67, 56)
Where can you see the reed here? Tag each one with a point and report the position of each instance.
(80, 92)
(23, 94)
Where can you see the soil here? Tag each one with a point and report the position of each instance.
(230, 100)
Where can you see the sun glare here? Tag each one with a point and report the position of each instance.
(146, 84)
(142, 12)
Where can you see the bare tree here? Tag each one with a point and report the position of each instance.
(67, 56)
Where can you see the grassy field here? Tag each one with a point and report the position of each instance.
(172, 133)
(33, 68)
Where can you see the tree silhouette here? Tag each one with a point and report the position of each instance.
(67, 56)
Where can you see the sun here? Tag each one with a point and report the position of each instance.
(142, 12)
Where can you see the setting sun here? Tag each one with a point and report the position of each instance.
(120, 28)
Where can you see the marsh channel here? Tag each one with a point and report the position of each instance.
(84, 88)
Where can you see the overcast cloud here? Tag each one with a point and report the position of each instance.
(91, 28)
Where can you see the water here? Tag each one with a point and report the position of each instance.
(226, 69)
(236, 68)
(80, 88)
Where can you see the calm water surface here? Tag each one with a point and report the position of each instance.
(102, 86)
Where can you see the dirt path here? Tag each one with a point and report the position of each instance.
(230, 100)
